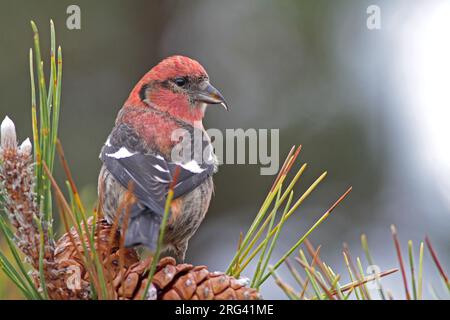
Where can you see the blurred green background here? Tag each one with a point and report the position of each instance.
(369, 106)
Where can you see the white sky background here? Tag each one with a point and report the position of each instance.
(424, 63)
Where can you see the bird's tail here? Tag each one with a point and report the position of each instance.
(143, 229)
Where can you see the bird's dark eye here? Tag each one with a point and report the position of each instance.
(180, 81)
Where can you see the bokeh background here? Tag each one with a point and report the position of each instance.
(370, 106)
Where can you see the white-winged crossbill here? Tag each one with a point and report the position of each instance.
(137, 156)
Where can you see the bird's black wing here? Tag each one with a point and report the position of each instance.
(149, 175)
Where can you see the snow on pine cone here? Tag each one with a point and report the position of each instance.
(170, 282)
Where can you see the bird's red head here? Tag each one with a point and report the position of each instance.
(177, 85)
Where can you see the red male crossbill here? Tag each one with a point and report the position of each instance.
(137, 156)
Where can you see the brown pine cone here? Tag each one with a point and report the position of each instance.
(185, 282)
(170, 282)
(73, 280)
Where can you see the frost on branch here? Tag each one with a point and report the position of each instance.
(17, 181)
(8, 134)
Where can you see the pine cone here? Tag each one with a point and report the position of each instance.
(170, 282)
(185, 282)
(70, 265)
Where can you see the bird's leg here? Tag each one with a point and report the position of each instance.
(176, 251)
(180, 252)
